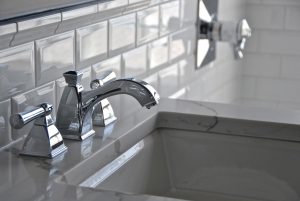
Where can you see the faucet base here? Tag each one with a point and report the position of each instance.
(103, 114)
(43, 141)
(55, 152)
(80, 137)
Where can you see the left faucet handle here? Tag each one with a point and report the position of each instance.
(19, 120)
(44, 139)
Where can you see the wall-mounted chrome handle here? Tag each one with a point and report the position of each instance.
(19, 120)
(44, 139)
(235, 33)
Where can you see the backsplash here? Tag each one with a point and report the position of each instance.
(271, 75)
(152, 40)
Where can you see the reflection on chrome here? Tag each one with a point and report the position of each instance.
(201, 53)
(101, 175)
(2, 122)
(203, 13)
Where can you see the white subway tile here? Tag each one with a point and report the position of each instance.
(290, 67)
(147, 25)
(102, 6)
(248, 87)
(262, 65)
(67, 15)
(253, 42)
(188, 12)
(280, 2)
(135, 62)
(121, 33)
(158, 52)
(8, 29)
(92, 44)
(135, 1)
(168, 80)
(112, 64)
(54, 56)
(16, 70)
(231, 10)
(170, 17)
(289, 105)
(280, 42)
(265, 16)
(278, 90)
(292, 21)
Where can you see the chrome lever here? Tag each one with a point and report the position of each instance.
(44, 139)
(235, 33)
(103, 113)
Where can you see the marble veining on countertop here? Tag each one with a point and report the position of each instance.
(28, 178)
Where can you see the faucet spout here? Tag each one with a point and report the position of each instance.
(74, 116)
(144, 93)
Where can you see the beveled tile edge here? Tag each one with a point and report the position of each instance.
(67, 15)
(21, 48)
(8, 29)
(111, 5)
(55, 37)
(41, 21)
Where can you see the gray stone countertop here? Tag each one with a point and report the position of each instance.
(36, 179)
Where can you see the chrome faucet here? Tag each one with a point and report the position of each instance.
(74, 116)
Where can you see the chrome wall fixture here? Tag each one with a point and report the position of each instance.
(44, 139)
(206, 48)
(235, 33)
(211, 31)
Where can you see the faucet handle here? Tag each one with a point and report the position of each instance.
(19, 120)
(44, 139)
(103, 112)
(106, 77)
(244, 30)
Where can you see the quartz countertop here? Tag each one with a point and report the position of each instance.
(30, 178)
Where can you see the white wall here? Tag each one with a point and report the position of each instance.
(271, 69)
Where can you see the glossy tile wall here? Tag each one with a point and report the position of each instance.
(271, 73)
(150, 39)
(220, 81)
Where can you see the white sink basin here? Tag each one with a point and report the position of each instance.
(196, 165)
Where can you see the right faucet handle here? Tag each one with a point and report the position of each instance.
(103, 114)
(106, 77)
